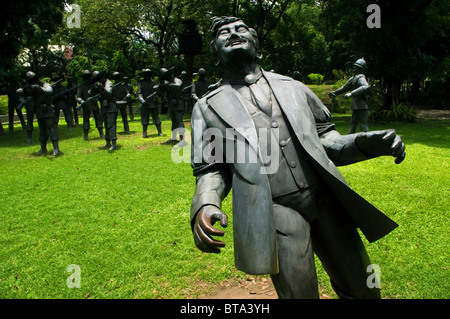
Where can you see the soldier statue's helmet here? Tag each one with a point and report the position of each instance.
(86, 74)
(116, 75)
(145, 71)
(201, 71)
(30, 75)
(164, 73)
(97, 75)
(361, 63)
(125, 78)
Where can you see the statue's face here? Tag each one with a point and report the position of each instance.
(234, 40)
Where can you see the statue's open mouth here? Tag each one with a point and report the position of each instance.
(234, 42)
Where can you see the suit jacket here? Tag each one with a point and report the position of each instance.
(253, 222)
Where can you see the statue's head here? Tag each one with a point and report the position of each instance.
(232, 38)
(99, 76)
(359, 66)
(31, 77)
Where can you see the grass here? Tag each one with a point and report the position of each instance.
(123, 217)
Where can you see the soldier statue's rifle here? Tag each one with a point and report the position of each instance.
(30, 97)
(150, 97)
(54, 83)
(65, 92)
(185, 89)
(93, 98)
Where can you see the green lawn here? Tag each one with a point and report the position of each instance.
(123, 217)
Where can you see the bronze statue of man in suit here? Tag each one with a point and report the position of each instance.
(271, 140)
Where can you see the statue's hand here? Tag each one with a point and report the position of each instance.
(332, 94)
(348, 95)
(378, 143)
(203, 229)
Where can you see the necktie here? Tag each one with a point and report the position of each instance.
(261, 100)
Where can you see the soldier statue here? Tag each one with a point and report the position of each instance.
(41, 95)
(10, 89)
(270, 139)
(121, 96)
(30, 111)
(359, 87)
(172, 88)
(60, 102)
(186, 92)
(72, 99)
(103, 89)
(130, 89)
(199, 87)
(147, 90)
(89, 106)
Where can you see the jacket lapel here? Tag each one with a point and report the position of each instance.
(229, 107)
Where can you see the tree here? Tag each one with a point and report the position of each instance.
(19, 23)
(398, 51)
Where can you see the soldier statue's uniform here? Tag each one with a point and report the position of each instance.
(104, 89)
(121, 95)
(199, 87)
(186, 87)
(60, 103)
(147, 96)
(129, 100)
(42, 97)
(72, 100)
(89, 106)
(359, 87)
(29, 107)
(172, 88)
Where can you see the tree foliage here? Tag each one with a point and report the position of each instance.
(409, 53)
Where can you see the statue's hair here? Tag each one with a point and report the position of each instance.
(218, 22)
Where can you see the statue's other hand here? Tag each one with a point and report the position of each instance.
(385, 142)
(203, 229)
(332, 94)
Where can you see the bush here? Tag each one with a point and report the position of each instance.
(400, 112)
(315, 78)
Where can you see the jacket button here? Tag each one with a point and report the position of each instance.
(283, 143)
(274, 125)
(293, 164)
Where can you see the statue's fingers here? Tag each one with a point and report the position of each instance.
(205, 224)
(390, 135)
(398, 148)
(199, 238)
(206, 237)
(223, 219)
(400, 159)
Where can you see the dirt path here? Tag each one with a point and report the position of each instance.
(434, 114)
(251, 288)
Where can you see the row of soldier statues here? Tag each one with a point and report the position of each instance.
(103, 96)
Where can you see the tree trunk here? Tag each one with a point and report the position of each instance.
(392, 93)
